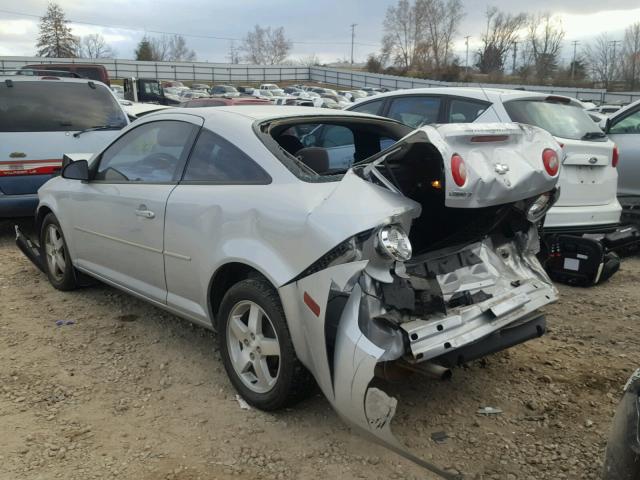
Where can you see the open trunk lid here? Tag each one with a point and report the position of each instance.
(502, 163)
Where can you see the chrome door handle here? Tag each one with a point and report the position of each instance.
(143, 212)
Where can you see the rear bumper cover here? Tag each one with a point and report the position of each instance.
(12, 206)
(587, 218)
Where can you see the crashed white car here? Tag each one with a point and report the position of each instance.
(421, 254)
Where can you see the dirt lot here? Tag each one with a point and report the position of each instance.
(131, 392)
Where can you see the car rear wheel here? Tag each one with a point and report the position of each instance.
(256, 347)
(57, 261)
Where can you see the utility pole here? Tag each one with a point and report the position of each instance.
(466, 60)
(573, 63)
(353, 36)
(515, 56)
(613, 60)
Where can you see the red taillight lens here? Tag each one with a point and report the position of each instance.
(550, 161)
(458, 170)
(615, 158)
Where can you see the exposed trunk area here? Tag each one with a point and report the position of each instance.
(418, 173)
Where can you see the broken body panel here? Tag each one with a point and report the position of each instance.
(481, 286)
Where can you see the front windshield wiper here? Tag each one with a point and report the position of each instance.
(592, 135)
(99, 127)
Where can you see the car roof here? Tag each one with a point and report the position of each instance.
(261, 112)
(479, 93)
(45, 78)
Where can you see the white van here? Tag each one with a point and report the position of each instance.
(42, 118)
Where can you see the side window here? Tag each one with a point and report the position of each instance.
(629, 124)
(336, 136)
(370, 107)
(465, 111)
(151, 153)
(415, 111)
(215, 160)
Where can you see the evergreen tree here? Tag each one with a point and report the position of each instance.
(55, 38)
(144, 52)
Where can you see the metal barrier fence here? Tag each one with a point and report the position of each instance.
(232, 73)
(355, 79)
(187, 71)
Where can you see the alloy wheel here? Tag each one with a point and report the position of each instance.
(253, 346)
(55, 252)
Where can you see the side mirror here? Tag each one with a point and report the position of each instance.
(78, 170)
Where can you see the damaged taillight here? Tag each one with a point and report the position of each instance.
(616, 157)
(458, 170)
(550, 161)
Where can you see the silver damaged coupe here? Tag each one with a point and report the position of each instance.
(320, 245)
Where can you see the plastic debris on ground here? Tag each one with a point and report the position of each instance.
(439, 437)
(489, 411)
(243, 405)
(61, 323)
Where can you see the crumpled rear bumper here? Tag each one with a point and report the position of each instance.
(341, 328)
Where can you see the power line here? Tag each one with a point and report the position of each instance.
(192, 35)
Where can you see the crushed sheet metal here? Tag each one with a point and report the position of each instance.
(367, 409)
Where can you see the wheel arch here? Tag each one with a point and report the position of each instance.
(41, 213)
(224, 278)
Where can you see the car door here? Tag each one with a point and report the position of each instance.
(624, 131)
(219, 182)
(118, 216)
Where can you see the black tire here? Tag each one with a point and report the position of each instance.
(294, 382)
(61, 279)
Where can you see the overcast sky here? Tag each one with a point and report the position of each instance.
(320, 27)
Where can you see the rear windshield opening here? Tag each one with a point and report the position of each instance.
(562, 120)
(56, 106)
(324, 149)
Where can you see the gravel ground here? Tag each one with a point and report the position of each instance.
(128, 391)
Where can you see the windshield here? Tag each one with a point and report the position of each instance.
(560, 119)
(53, 106)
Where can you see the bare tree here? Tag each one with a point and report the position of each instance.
(234, 53)
(441, 19)
(55, 38)
(95, 46)
(160, 47)
(264, 46)
(178, 50)
(599, 56)
(544, 42)
(502, 31)
(170, 48)
(311, 60)
(631, 56)
(402, 33)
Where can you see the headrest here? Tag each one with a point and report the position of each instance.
(316, 158)
(290, 143)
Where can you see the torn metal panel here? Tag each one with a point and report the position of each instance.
(345, 369)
